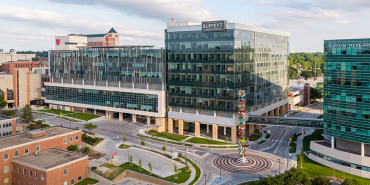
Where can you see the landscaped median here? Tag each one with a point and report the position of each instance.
(161, 140)
(198, 140)
(202, 146)
(81, 116)
(167, 135)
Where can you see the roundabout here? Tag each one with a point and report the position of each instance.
(254, 164)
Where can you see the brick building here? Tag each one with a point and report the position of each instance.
(299, 95)
(19, 145)
(7, 126)
(9, 66)
(51, 166)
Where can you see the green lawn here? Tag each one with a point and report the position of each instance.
(83, 116)
(202, 146)
(294, 113)
(292, 147)
(199, 140)
(261, 142)
(87, 181)
(197, 170)
(314, 136)
(268, 136)
(313, 168)
(295, 136)
(123, 146)
(68, 119)
(161, 140)
(254, 137)
(54, 111)
(320, 117)
(171, 136)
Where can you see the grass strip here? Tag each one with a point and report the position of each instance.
(161, 140)
(295, 136)
(83, 116)
(123, 146)
(261, 142)
(68, 119)
(292, 147)
(197, 170)
(314, 136)
(87, 181)
(294, 113)
(199, 140)
(54, 111)
(320, 117)
(268, 135)
(171, 136)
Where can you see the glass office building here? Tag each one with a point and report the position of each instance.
(206, 69)
(129, 79)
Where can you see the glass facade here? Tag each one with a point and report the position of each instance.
(124, 100)
(205, 70)
(126, 64)
(338, 161)
(347, 89)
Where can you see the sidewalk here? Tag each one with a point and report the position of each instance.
(293, 162)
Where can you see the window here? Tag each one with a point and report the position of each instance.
(65, 140)
(16, 153)
(79, 178)
(36, 177)
(76, 137)
(19, 169)
(6, 181)
(37, 148)
(71, 139)
(65, 172)
(6, 157)
(6, 169)
(30, 173)
(24, 171)
(42, 177)
(13, 168)
(72, 181)
(65, 183)
(26, 151)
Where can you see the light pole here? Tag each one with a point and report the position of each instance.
(279, 166)
(185, 152)
(220, 170)
(205, 179)
(70, 124)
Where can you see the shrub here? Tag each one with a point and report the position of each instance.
(142, 143)
(350, 181)
(45, 125)
(86, 149)
(180, 155)
(72, 148)
(94, 168)
(320, 180)
(98, 154)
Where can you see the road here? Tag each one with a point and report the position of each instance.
(310, 112)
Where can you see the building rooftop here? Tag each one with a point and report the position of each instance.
(49, 158)
(122, 46)
(22, 138)
(295, 88)
(5, 117)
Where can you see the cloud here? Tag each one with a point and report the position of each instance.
(49, 19)
(163, 10)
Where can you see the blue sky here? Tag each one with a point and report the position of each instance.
(32, 24)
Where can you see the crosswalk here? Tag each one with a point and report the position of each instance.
(279, 141)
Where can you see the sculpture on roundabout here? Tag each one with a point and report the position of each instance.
(241, 127)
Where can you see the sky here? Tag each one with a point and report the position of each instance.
(33, 24)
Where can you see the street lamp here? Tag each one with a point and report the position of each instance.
(220, 170)
(205, 179)
(70, 125)
(279, 166)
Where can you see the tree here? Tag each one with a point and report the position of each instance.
(140, 164)
(3, 103)
(124, 139)
(293, 72)
(315, 93)
(72, 148)
(295, 176)
(27, 114)
(351, 181)
(164, 148)
(150, 168)
(301, 156)
(320, 180)
(142, 143)
(175, 169)
(307, 74)
(227, 141)
(130, 160)
(90, 127)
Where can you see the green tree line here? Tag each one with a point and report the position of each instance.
(308, 61)
(38, 53)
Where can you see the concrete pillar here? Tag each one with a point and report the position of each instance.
(207, 128)
(106, 83)
(286, 108)
(83, 110)
(224, 131)
(147, 86)
(277, 111)
(148, 120)
(94, 111)
(119, 84)
(251, 128)
(72, 81)
(282, 108)
(94, 82)
(259, 127)
(181, 127)
(272, 113)
(133, 118)
(214, 113)
(107, 114)
(362, 149)
(61, 80)
(72, 109)
(50, 106)
(120, 116)
(214, 131)
(197, 129)
(332, 142)
(233, 134)
(170, 125)
(266, 114)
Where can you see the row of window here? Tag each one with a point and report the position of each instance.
(6, 133)
(338, 161)
(346, 129)
(5, 125)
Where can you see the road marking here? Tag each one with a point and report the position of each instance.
(279, 143)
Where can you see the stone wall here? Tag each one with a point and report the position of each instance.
(147, 178)
(95, 176)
